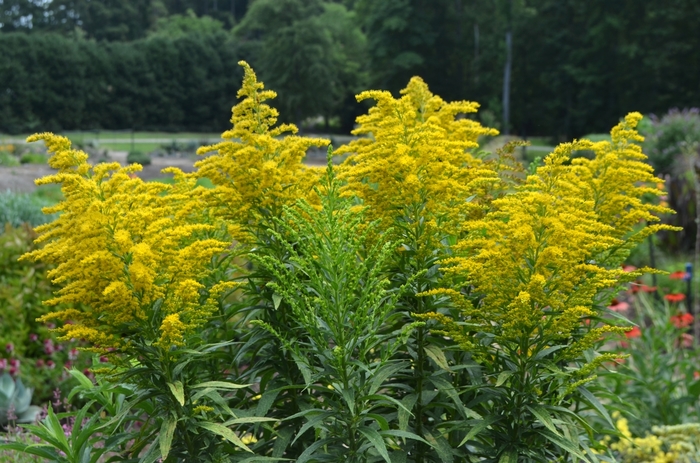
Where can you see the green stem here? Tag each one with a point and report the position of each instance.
(419, 372)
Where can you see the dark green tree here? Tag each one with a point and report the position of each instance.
(309, 51)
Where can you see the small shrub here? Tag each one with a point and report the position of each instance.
(667, 137)
(32, 158)
(8, 160)
(138, 157)
(28, 349)
(18, 208)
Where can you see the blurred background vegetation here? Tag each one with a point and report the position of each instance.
(553, 68)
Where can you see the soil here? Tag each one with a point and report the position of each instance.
(21, 178)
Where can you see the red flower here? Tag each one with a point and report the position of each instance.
(675, 297)
(682, 320)
(679, 275)
(633, 333)
(628, 268)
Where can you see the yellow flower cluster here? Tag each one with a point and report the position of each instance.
(257, 169)
(538, 261)
(128, 254)
(665, 444)
(414, 159)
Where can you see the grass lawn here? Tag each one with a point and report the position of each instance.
(147, 142)
(126, 140)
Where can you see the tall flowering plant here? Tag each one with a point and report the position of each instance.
(424, 301)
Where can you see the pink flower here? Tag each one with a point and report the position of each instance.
(50, 364)
(617, 306)
(33, 337)
(9, 347)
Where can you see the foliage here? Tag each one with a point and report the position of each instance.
(19, 208)
(673, 444)
(180, 25)
(32, 158)
(29, 349)
(575, 64)
(657, 384)
(138, 157)
(15, 401)
(175, 83)
(310, 50)
(8, 160)
(81, 436)
(668, 138)
(427, 303)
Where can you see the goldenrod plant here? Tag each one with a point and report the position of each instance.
(424, 301)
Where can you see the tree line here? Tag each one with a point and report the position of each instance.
(560, 68)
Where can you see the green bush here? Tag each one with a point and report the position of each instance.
(667, 137)
(7, 159)
(28, 349)
(138, 157)
(32, 158)
(19, 208)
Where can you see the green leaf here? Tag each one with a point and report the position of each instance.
(152, 455)
(309, 452)
(40, 450)
(376, 440)
(383, 373)
(509, 456)
(593, 401)
(441, 446)
(404, 413)
(694, 388)
(178, 392)
(563, 443)
(276, 300)
(381, 421)
(226, 433)
(404, 434)
(543, 417)
(503, 377)
(449, 389)
(220, 385)
(249, 419)
(266, 401)
(165, 439)
(488, 421)
(84, 381)
(256, 459)
(311, 423)
(437, 355)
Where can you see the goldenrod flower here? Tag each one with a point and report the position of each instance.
(258, 169)
(121, 247)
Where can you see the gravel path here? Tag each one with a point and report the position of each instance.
(21, 178)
